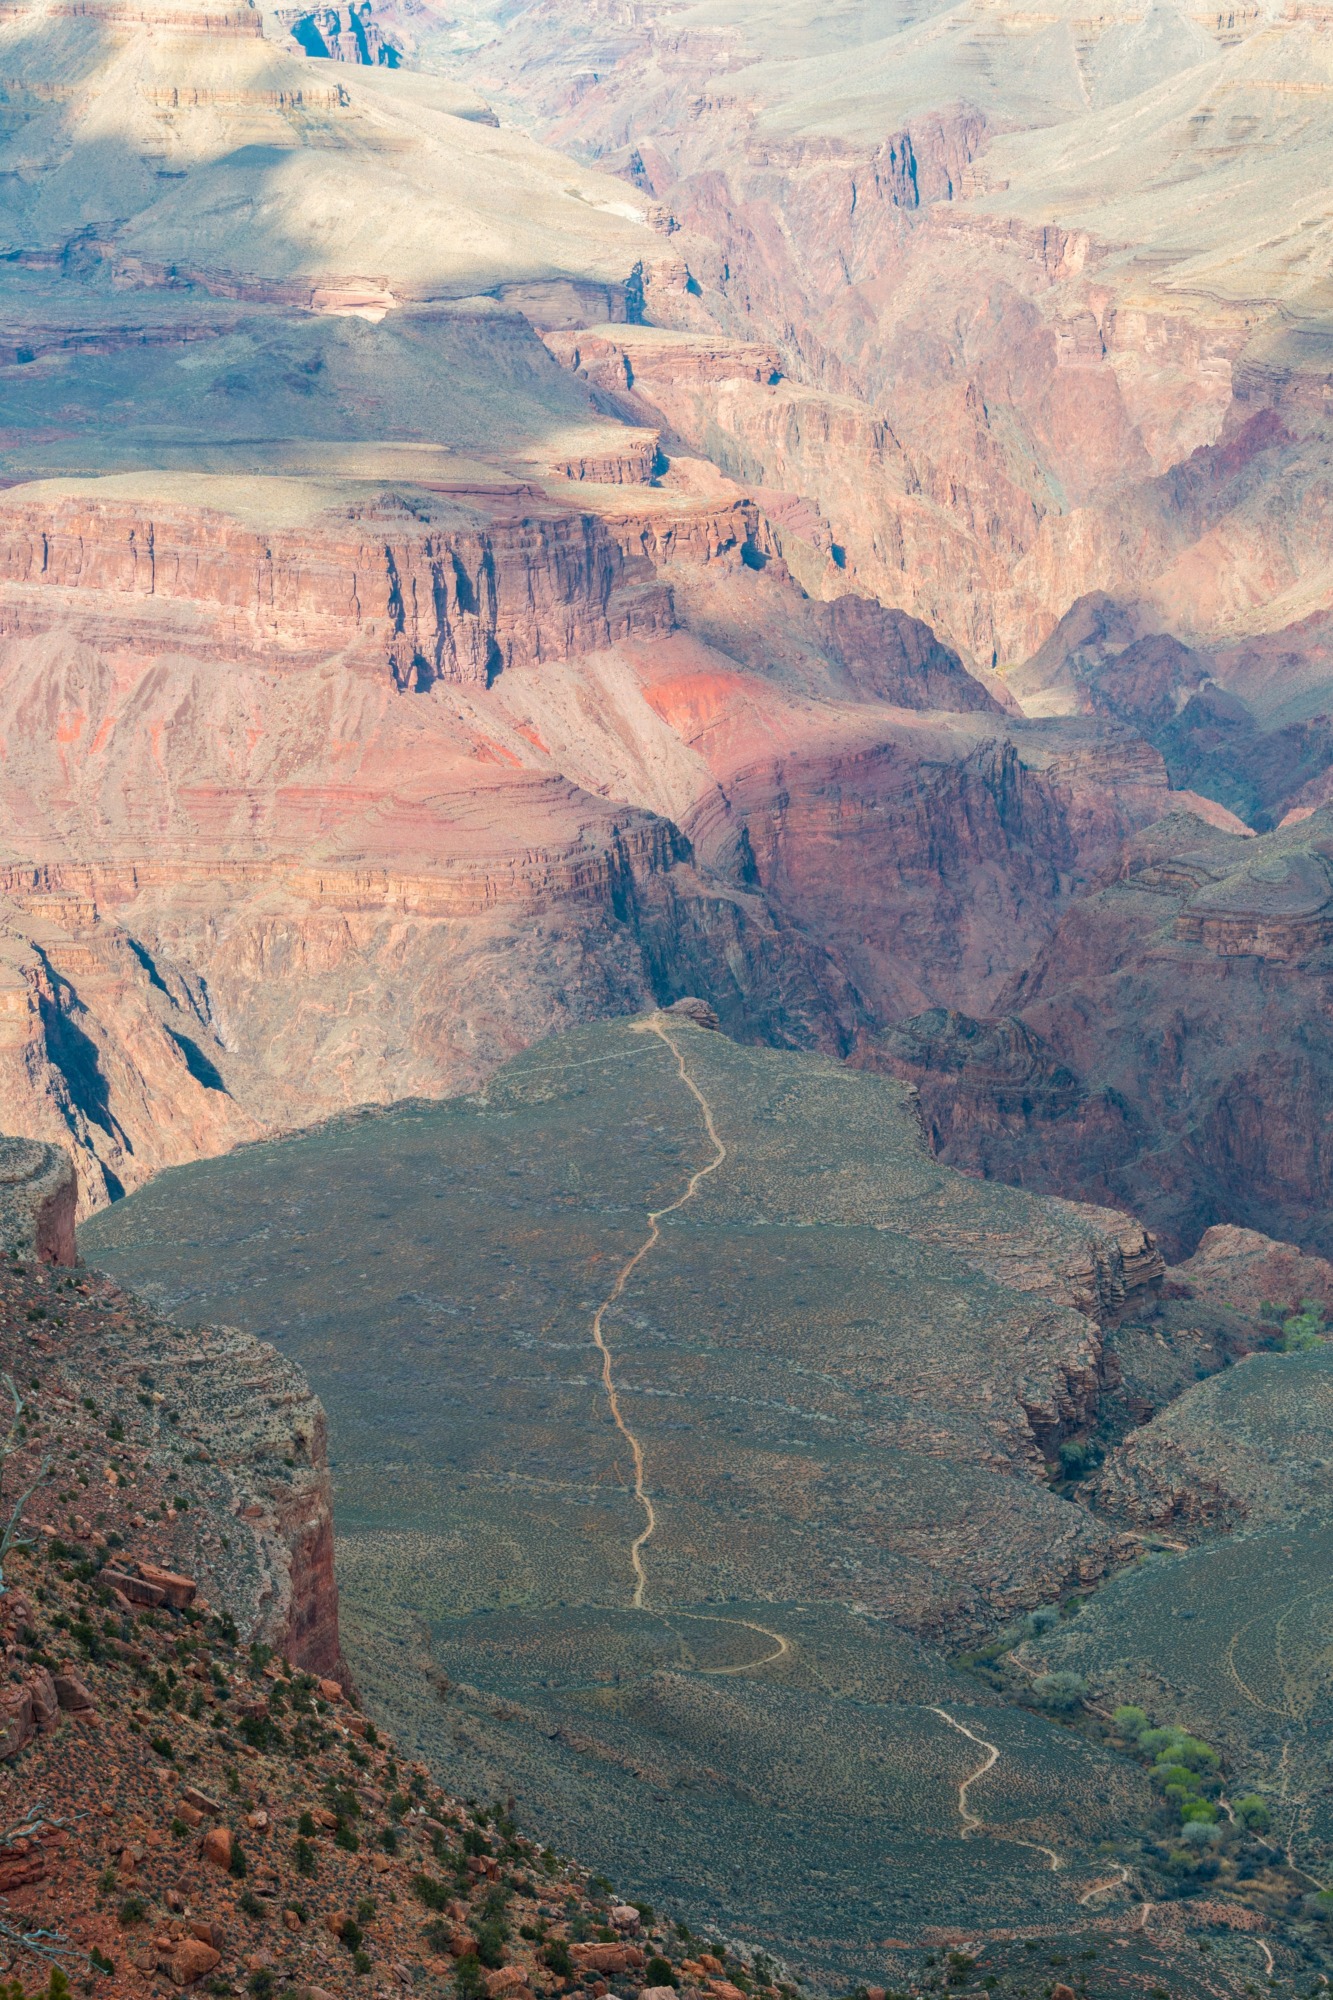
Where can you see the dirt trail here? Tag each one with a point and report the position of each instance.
(623, 1277)
(971, 1824)
(781, 1645)
(1117, 1881)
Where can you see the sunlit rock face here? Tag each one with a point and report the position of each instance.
(1044, 328)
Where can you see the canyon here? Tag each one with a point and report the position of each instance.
(741, 559)
(581, 585)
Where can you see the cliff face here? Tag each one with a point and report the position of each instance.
(943, 338)
(305, 717)
(255, 1525)
(1166, 1050)
(38, 1196)
(309, 814)
(427, 601)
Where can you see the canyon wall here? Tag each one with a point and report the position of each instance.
(1168, 1047)
(258, 1523)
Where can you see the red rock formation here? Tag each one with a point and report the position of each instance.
(1167, 1050)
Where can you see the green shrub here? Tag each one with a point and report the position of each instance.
(469, 1977)
(1304, 1331)
(238, 1861)
(1061, 1691)
(556, 1958)
(659, 1971)
(346, 1836)
(360, 1962)
(261, 1732)
(305, 1858)
(1130, 1721)
(133, 1910)
(250, 1904)
(1252, 1813)
(490, 1943)
(435, 1895)
(1078, 1458)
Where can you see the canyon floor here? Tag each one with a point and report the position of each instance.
(694, 1429)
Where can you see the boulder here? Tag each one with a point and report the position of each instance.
(507, 1979)
(625, 1917)
(72, 1695)
(606, 1957)
(201, 1801)
(216, 1847)
(177, 1591)
(134, 1589)
(45, 1701)
(21, 1864)
(192, 1959)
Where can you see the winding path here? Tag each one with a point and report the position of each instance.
(1118, 1881)
(623, 1277)
(971, 1824)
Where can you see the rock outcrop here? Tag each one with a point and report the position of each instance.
(38, 1198)
(257, 1522)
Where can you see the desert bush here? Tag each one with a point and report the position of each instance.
(490, 1943)
(1061, 1691)
(435, 1895)
(469, 1978)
